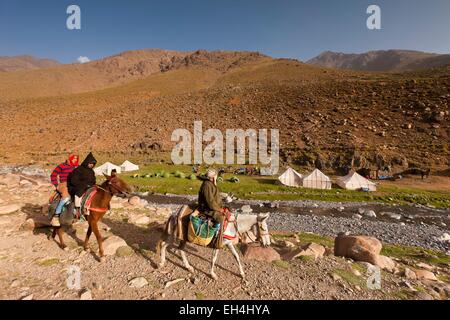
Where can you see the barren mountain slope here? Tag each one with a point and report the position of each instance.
(332, 117)
(18, 63)
(390, 60)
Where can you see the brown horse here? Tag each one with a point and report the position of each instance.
(99, 206)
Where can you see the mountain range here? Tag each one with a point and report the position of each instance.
(129, 105)
(390, 60)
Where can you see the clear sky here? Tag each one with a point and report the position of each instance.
(298, 29)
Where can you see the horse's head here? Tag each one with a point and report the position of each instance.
(116, 185)
(263, 230)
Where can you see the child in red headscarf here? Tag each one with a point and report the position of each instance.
(59, 180)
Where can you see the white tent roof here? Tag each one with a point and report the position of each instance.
(354, 181)
(106, 168)
(316, 180)
(128, 166)
(291, 178)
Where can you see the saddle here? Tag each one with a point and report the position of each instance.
(86, 200)
(183, 218)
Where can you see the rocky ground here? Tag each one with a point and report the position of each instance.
(33, 267)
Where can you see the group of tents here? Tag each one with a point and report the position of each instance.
(107, 167)
(318, 180)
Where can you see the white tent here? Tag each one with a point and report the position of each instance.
(128, 166)
(291, 178)
(354, 181)
(106, 168)
(316, 180)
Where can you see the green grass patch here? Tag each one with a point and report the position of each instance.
(199, 296)
(416, 254)
(176, 179)
(404, 294)
(281, 264)
(310, 237)
(349, 277)
(48, 262)
(306, 258)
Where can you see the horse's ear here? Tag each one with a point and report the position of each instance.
(263, 216)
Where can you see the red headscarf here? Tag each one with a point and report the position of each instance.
(74, 160)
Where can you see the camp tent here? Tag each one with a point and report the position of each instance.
(106, 168)
(291, 178)
(128, 166)
(316, 180)
(354, 181)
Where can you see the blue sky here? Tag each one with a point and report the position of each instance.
(280, 28)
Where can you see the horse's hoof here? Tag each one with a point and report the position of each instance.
(214, 276)
(101, 259)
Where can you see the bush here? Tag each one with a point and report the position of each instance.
(234, 179)
(165, 175)
(193, 177)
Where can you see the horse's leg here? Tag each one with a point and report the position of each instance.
(98, 236)
(162, 260)
(236, 256)
(88, 234)
(213, 262)
(183, 256)
(61, 239)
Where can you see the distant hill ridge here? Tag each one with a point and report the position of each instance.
(390, 60)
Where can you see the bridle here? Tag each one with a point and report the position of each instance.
(111, 185)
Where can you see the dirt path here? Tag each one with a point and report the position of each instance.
(33, 267)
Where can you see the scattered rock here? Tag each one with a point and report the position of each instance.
(138, 282)
(425, 275)
(171, 283)
(134, 201)
(124, 251)
(358, 248)
(410, 274)
(312, 250)
(256, 252)
(111, 244)
(370, 214)
(392, 215)
(28, 297)
(85, 294)
(385, 263)
(11, 208)
(444, 238)
(139, 220)
(357, 216)
(423, 296)
(10, 180)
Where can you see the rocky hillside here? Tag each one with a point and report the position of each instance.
(331, 118)
(18, 63)
(391, 60)
(114, 71)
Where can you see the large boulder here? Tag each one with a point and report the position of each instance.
(358, 248)
(111, 244)
(139, 219)
(10, 208)
(312, 250)
(425, 275)
(385, 263)
(256, 252)
(135, 201)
